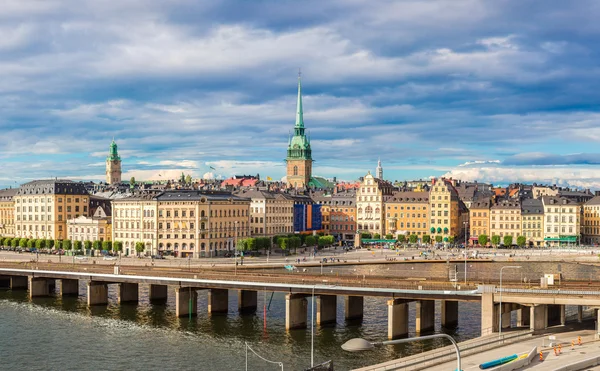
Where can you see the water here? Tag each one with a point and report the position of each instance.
(65, 334)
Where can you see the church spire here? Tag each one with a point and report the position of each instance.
(379, 169)
(299, 113)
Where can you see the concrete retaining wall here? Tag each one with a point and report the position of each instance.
(575, 366)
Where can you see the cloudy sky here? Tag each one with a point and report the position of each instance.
(494, 91)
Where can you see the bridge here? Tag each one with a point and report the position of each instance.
(536, 308)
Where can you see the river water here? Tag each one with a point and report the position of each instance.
(59, 333)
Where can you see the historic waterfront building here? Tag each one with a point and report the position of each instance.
(370, 212)
(7, 212)
(479, 219)
(532, 216)
(184, 223)
(343, 216)
(42, 207)
(113, 165)
(444, 208)
(90, 228)
(590, 227)
(562, 220)
(505, 220)
(407, 213)
(271, 213)
(299, 154)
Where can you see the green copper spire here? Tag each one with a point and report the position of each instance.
(299, 113)
(113, 154)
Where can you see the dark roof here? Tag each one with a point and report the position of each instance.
(481, 204)
(416, 197)
(513, 204)
(555, 200)
(532, 206)
(52, 186)
(7, 194)
(593, 201)
(182, 195)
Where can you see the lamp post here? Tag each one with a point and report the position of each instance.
(466, 225)
(500, 308)
(312, 328)
(235, 248)
(358, 344)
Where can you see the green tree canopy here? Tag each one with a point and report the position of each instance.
(389, 236)
(23, 242)
(31, 243)
(451, 239)
(87, 244)
(242, 244)
(495, 240)
(49, 243)
(310, 240)
(376, 236)
(426, 238)
(107, 245)
(139, 247)
(521, 241)
(188, 179)
(96, 245)
(401, 238)
(15, 242)
(438, 238)
(132, 181)
(57, 244)
(77, 245)
(66, 245)
(413, 238)
(508, 240)
(365, 235)
(483, 239)
(117, 246)
(40, 244)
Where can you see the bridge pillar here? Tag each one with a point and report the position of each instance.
(425, 316)
(538, 316)
(38, 287)
(449, 313)
(186, 301)
(523, 315)
(157, 293)
(128, 293)
(489, 310)
(580, 313)
(397, 318)
(218, 300)
(247, 300)
(354, 307)
(563, 315)
(326, 309)
(97, 293)
(18, 282)
(69, 287)
(506, 314)
(296, 309)
(554, 314)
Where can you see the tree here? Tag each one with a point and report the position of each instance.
(67, 245)
(376, 236)
(15, 242)
(49, 244)
(389, 236)
(401, 238)
(31, 243)
(426, 238)
(250, 244)
(413, 238)
(310, 240)
(521, 241)
(40, 244)
(438, 239)
(365, 235)
(495, 240)
(242, 244)
(117, 246)
(77, 245)
(57, 244)
(451, 239)
(188, 179)
(87, 244)
(139, 248)
(23, 242)
(508, 240)
(483, 239)
(96, 245)
(132, 182)
(107, 245)
(283, 244)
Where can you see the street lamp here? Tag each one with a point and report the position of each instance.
(465, 229)
(500, 308)
(312, 328)
(358, 344)
(235, 247)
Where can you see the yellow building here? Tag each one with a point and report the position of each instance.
(407, 213)
(94, 228)
(562, 221)
(42, 207)
(7, 212)
(370, 213)
(183, 223)
(444, 210)
(505, 220)
(343, 216)
(479, 220)
(271, 213)
(591, 221)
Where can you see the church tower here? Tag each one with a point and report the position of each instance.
(299, 157)
(113, 165)
(379, 170)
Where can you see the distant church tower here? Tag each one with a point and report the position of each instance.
(113, 165)
(379, 170)
(299, 157)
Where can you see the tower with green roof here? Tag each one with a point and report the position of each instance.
(299, 155)
(113, 165)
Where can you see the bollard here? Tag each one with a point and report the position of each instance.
(541, 356)
(555, 351)
(579, 340)
(559, 348)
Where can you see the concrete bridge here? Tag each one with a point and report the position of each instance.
(536, 308)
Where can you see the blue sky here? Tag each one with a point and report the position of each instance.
(493, 91)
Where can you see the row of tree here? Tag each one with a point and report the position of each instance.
(507, 240)
(65, 244)
(285, 242)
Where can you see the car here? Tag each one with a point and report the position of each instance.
(159, 257)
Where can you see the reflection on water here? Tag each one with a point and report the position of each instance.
(146, 336)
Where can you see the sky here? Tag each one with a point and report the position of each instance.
(495, 91)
